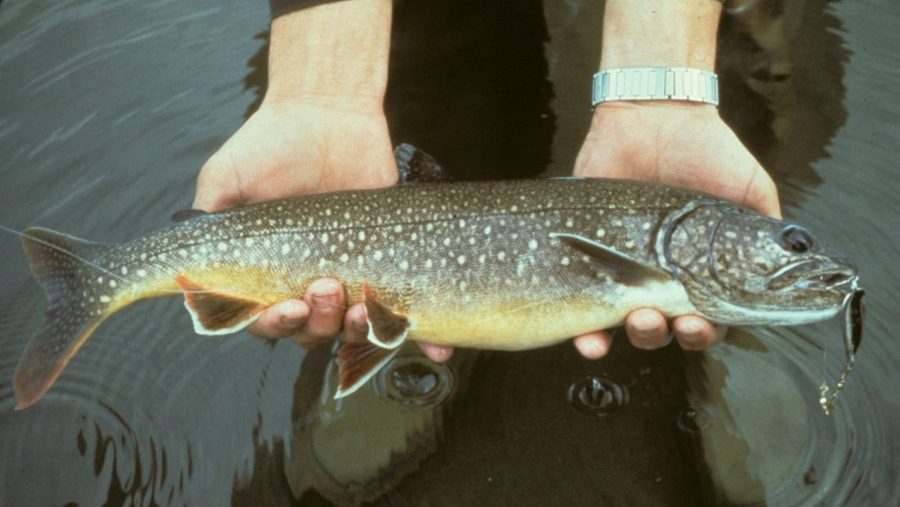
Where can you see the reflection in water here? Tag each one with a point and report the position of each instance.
(764, 438)
(773, 57)
(357, 448)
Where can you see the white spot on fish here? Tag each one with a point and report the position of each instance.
(398, 228)
(361, 235)
(730, 234)
(404, 265)
(378, 255)
(532, 244)
(446, 241)
(285, 249)
(346, 215)
(324, 238)
(501, 255)
(112, 284)
(514, 208)
(646, 226)
(462, 286)
(428, 263)
(345, 257)
(307, 252)
(289, 221)
(564, 261)
(105, 299)
(520, 268)
(472, 240)
(413, 236)
(601, 232)
(487, 229)
(462, 223)
(429, 227)
(100, 279)
(569, 222)
(248, 242)
(143, 256)
(182, 252)
(141, 273)
(461, 260)
(629, 244)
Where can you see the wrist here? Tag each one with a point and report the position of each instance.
(333, 55)
(646, 33)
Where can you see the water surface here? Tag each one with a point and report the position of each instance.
(108, 109)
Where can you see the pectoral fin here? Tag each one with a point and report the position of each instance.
(216, 312)
(620, 266)
(359, 362)
(387, 329)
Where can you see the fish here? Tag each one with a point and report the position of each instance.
(499, 265)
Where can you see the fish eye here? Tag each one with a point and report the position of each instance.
(796, 239)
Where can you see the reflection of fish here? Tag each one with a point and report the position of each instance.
(501, 265)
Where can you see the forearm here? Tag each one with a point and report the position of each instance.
(334, 54)
(645, 33)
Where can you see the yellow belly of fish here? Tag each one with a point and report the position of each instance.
(536, 322)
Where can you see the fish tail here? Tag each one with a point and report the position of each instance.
(62, 265)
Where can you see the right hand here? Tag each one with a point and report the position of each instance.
(290, 149)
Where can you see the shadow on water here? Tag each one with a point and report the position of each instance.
(149, 416)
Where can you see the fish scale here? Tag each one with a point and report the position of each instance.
(497, 265)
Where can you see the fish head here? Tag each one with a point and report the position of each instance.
(740, 267)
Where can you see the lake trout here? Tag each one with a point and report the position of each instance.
(495, 265)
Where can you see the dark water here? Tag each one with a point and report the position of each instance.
(109, 108)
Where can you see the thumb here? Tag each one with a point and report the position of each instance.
(218, 186)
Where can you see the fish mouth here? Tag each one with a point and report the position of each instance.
(813, 275)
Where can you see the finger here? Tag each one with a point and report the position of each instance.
(762, 194)
(696, 333)
(325, 298)
(437, 353)
(280, 320)
(356, 328)
(647, 329)
(593, 345)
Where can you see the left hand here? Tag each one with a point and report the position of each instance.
(680, 144)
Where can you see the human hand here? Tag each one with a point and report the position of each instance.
(680, 144)
(289, 149)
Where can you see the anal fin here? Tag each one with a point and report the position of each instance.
(357, 363)
(217, 312)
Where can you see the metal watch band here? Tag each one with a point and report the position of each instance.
(655, 83)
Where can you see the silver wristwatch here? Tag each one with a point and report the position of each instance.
(655, 83)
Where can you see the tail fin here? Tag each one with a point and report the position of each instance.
(62, 265)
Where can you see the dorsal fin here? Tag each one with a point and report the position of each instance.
(416, 166)
(187, 214)
(620, 266)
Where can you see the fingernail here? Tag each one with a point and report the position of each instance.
(325, 302)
